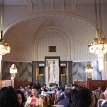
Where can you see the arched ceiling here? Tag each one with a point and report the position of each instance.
(26, 31)
(24, 34)
(21, 36)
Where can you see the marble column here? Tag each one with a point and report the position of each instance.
(102, 69)
(96, 75)
(70, 72)
(34, 71)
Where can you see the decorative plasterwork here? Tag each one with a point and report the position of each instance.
(43, 4)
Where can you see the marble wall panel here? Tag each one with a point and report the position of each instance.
(24, 72)
(27, 71)
(97, 73)
(78, 70)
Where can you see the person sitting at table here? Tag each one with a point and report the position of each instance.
(68, 89)
(21, 98)
(67, 99)
(8, 97)
(45, 88)
(104, 103)
(34, 100)
(81, 97)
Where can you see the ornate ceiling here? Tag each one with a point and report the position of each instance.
(27, 20)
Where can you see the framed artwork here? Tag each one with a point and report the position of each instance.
(52, 71)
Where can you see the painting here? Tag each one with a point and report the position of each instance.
(52, 71)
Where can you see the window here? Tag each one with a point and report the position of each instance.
(52, 48)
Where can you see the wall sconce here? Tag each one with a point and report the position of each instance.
(13, 71)
(89, 71)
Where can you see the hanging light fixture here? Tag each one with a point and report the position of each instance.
(89, 71)
(4, 47)
(99, 44)
(13, 69)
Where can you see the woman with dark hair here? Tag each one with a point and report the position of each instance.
(34, 100)
(81, 97)
(8, 97)
(21, 98)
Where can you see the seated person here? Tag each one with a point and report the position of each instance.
(105, 94)
(44, 88)
(99, 90)
(66, 101)
(81, 97)
(104, 103)
(8, 97)
(67, 89)
(21, 98)
(34, 100)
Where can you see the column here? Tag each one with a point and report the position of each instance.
(12, 81)
(102, 68)
(105, 66)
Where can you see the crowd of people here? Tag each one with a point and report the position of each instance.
(70, 96)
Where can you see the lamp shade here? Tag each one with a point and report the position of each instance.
(13, 69)
(89, 68)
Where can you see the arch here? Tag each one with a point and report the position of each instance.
(40, 30)
(40, 35)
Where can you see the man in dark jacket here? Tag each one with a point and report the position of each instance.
(66, 98)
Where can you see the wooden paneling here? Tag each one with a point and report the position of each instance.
(92, 84)
(5, 83)
(17, 84)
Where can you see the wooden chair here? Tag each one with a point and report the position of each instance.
(45, 101)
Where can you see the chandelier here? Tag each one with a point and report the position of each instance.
(99, 44)
(4, 47)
